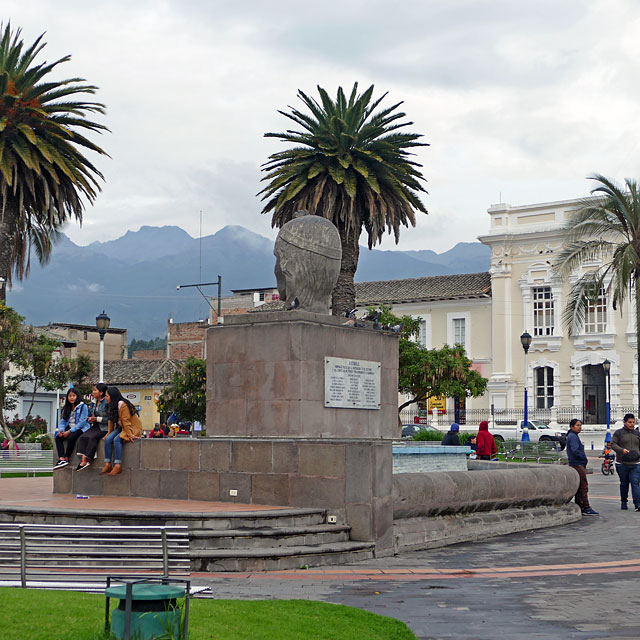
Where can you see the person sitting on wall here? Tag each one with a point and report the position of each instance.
(124, 426)
(88, 441)
(486, 444)
(473, 443)
(73, 423)
(452, 437)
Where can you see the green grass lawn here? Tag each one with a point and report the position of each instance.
(9, 474)
(32, 614)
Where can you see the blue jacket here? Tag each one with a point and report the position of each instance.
(575, 450)
(100, 411)
(81, 413)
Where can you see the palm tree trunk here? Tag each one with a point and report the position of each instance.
(7, 227)
(343, 297)
(637, 283)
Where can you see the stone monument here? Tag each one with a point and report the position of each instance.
(308, 254)
(306, 403)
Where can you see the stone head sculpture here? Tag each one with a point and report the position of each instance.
(308, 254)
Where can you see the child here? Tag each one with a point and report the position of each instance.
(608, 452)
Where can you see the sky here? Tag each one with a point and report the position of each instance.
(519, 102)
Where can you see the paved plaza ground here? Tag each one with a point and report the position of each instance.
(576, 581)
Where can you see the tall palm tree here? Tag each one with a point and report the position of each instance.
(351, 165)
(605, 230)
(43, 175)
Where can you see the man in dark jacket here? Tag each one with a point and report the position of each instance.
(626, 444)
(578, 460)
(451, 438)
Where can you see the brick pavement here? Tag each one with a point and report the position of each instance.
(578, 581)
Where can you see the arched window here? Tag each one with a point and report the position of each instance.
(544, 387)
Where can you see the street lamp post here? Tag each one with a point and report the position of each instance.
(606, 365)
(525, 340)
(102, 322)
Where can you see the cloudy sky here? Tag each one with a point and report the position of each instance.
(518, 101)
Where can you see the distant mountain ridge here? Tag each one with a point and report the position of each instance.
(134, 277)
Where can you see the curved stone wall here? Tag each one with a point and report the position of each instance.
(496, 488)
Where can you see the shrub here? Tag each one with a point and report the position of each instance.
(32, 426)
(428, 435)
(45, 440)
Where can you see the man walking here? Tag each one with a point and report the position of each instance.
(578, 460)
(626, 444)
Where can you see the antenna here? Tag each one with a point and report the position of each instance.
(201, 244)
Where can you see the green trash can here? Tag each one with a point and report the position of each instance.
(154, 611)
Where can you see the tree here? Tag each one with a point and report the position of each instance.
(605, 230)
(426, 372)
(43, 174)
(351, 165)
(187, 394)
(29, 360)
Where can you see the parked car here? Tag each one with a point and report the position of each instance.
(538, 432)
(410, 430)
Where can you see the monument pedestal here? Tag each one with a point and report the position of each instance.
(266, 380)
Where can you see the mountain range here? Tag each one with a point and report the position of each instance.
(134, 277)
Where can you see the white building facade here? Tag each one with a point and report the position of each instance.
(566, 376)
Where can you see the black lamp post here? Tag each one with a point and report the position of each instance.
(102, 322)
(525, 340)
(606, 365)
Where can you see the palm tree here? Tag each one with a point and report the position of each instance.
(43, 174)
(606, 230)
(350, 165)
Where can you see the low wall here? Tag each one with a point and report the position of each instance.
(349, 478)
(437, 509)
(427, 457)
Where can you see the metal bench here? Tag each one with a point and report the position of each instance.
(546, 451)
(63, 555)
(29, 461)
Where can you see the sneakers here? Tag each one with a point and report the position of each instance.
(623, 506)
(638, 508)
(61, 463)
(80, 467)
(591, 512)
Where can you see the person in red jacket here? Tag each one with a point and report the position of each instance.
(486, 444)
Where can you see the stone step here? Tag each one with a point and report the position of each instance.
(274, 537)
(259, 519)
(270, 559)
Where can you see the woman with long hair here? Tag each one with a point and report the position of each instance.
(124, 426)
(98, 416)
(73, 423)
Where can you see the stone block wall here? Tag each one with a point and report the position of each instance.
(424, 459)
(265, 376)
(350, 479)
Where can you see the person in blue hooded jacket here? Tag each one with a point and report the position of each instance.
(578, 461)
(73, 423)
(452, 437)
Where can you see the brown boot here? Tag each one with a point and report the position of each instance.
(107, 467)
(117, 468)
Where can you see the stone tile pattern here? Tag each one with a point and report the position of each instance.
(426, 463)
(265, 377)
(351, 479)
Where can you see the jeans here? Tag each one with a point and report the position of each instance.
(113, 440)
(629, 474)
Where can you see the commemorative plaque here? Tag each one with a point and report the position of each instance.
(351, 384)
